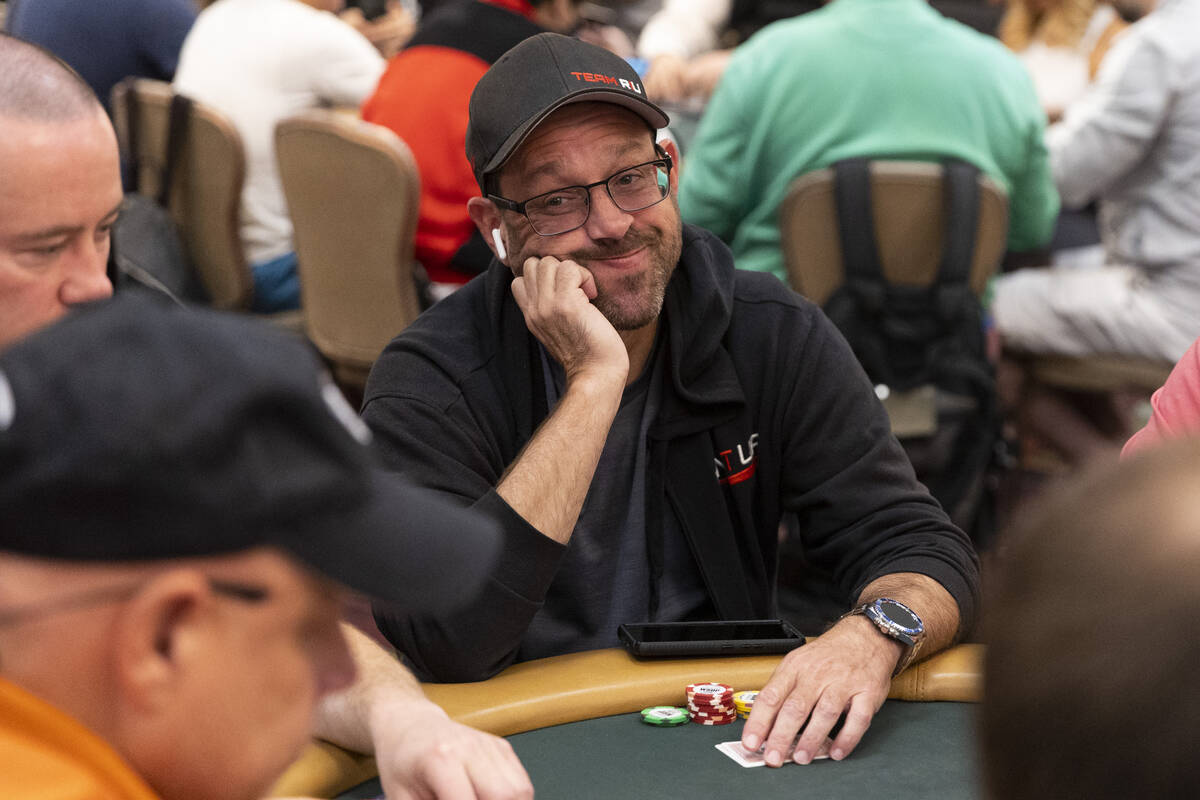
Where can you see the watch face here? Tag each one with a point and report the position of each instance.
(900, 615)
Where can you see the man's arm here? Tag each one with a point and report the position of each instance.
(420, 751)
(549, 480)
(1107, 132)
(536, 497)
(713, 187)
(1033, 204)
(847, 669)
(865, 518)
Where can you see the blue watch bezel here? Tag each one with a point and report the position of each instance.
(875, 612)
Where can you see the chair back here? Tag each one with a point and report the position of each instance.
(908, 205)
(352, 191)
(206, 187)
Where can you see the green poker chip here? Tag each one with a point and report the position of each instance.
(665, 716)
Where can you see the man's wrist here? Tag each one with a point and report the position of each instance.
(889, 651)
(894, 621)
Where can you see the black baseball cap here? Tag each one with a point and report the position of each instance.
(536, 77)
(135, 430)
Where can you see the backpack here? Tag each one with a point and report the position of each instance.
(924, 347)
(147, 249)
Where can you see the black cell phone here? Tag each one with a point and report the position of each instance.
(721, 638)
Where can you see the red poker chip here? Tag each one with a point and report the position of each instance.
(703, 715)
(709, 688)
(714, 721)
(711, 711)
(711, 698)
(703, 701)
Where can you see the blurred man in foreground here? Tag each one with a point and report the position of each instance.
(181, 494)
(60, 195)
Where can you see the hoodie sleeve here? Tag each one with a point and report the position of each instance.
(862, 512)
(443, 447)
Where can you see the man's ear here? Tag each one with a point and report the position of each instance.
(667, 143)
(486, 217)
(159, 636)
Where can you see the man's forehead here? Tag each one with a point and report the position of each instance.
(46, 166)
(593, 132)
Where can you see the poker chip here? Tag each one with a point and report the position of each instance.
(711, 703)
(744, 701)
(664, 716)
(702, 706)
(709, 691)
(707, 713)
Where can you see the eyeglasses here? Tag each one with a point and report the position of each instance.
(10, 616)
(563, 210)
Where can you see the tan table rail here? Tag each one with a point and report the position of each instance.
(600, 683)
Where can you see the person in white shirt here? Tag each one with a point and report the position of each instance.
(258, 62)
(1132, 143)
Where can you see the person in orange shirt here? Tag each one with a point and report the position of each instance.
(175, 530)
(423, 96)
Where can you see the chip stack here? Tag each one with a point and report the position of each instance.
(744, 702)
(665, 716)
(711, 703)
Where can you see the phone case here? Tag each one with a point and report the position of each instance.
(792, 639)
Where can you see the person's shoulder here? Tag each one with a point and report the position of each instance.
(980, 47)
(764, 303)
(482, 30)
(439, 351)
(801, 38)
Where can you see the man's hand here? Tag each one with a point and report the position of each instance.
(667, 79)
(848, 669)
(555, 297)
(422, 754)
(704, 73)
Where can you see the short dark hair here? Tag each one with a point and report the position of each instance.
(37, 85)
(1089, 679)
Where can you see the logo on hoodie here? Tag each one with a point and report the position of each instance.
(738, 463)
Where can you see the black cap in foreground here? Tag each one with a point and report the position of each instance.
(536, 77)
(134, 430)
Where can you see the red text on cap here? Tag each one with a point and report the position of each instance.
(595, 77)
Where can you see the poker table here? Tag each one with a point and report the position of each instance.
(572, 721)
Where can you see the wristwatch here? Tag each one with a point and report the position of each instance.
(897, 621)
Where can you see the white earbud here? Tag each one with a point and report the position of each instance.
(501, 253)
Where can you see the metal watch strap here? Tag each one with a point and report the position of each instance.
(910, 650)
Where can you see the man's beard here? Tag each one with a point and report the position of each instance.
(634, 301)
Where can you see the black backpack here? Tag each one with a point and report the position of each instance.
(147, 248)
(927, 340)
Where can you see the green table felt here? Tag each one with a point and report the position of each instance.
(912, 750)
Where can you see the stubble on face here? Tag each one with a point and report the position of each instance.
(635, 300)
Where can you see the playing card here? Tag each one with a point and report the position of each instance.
(749, 758)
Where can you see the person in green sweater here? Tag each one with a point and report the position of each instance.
(862, 78)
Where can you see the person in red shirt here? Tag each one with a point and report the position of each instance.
(423, 98)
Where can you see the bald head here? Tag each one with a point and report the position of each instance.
(38, 87)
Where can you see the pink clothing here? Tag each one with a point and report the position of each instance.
(1176, 405)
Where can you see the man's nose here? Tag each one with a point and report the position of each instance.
(85, 275)
(606, 220)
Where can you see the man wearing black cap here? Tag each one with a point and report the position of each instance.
(637, 416)
(60, 195)
(181, 496)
